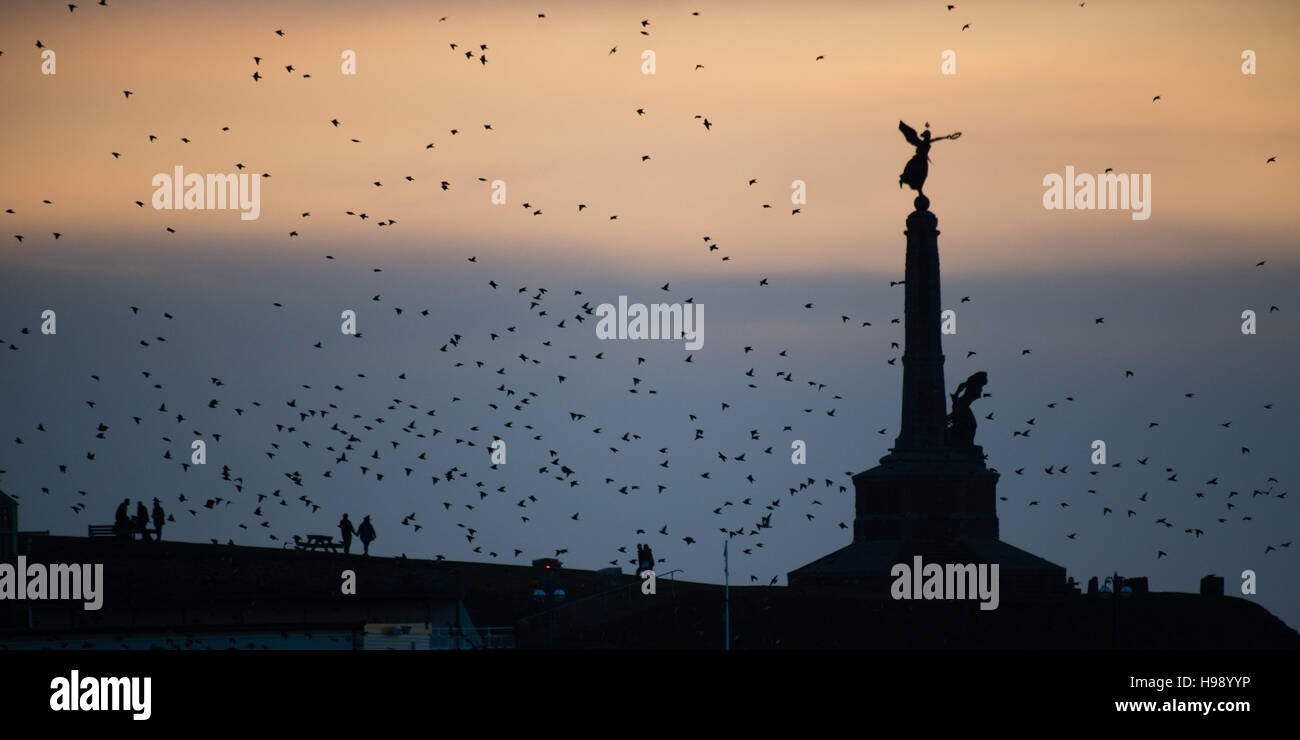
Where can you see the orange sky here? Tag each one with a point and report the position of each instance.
(1038, 86)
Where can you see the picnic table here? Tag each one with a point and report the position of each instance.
(110, 530)
(316, 542)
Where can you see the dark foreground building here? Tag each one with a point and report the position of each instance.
(189, 596)
(195, 596)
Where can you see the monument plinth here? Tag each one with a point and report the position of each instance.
(930, 486)
(932, 495)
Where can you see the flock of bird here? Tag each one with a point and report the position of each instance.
(329, 426)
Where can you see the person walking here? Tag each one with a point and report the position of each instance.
(141, 521)
(122, 520)
(367, 534)
(345, 527)
(159, 517)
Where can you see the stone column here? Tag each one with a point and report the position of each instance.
(925, 403)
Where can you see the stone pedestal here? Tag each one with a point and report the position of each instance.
(909, 500)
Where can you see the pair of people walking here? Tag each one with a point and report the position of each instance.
(365, 532)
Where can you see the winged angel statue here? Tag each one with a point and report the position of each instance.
(919, 165)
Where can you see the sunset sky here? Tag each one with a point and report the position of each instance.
(1038, 86)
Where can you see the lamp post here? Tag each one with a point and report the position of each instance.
(726, 597)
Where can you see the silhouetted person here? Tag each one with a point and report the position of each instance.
(141, 520)
(367, 534)
(159, 516)
(345, 527)
(645, 558)
(1092, 585)
(122, 520)
(919, 165)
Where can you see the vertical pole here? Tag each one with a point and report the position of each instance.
(726, 597)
